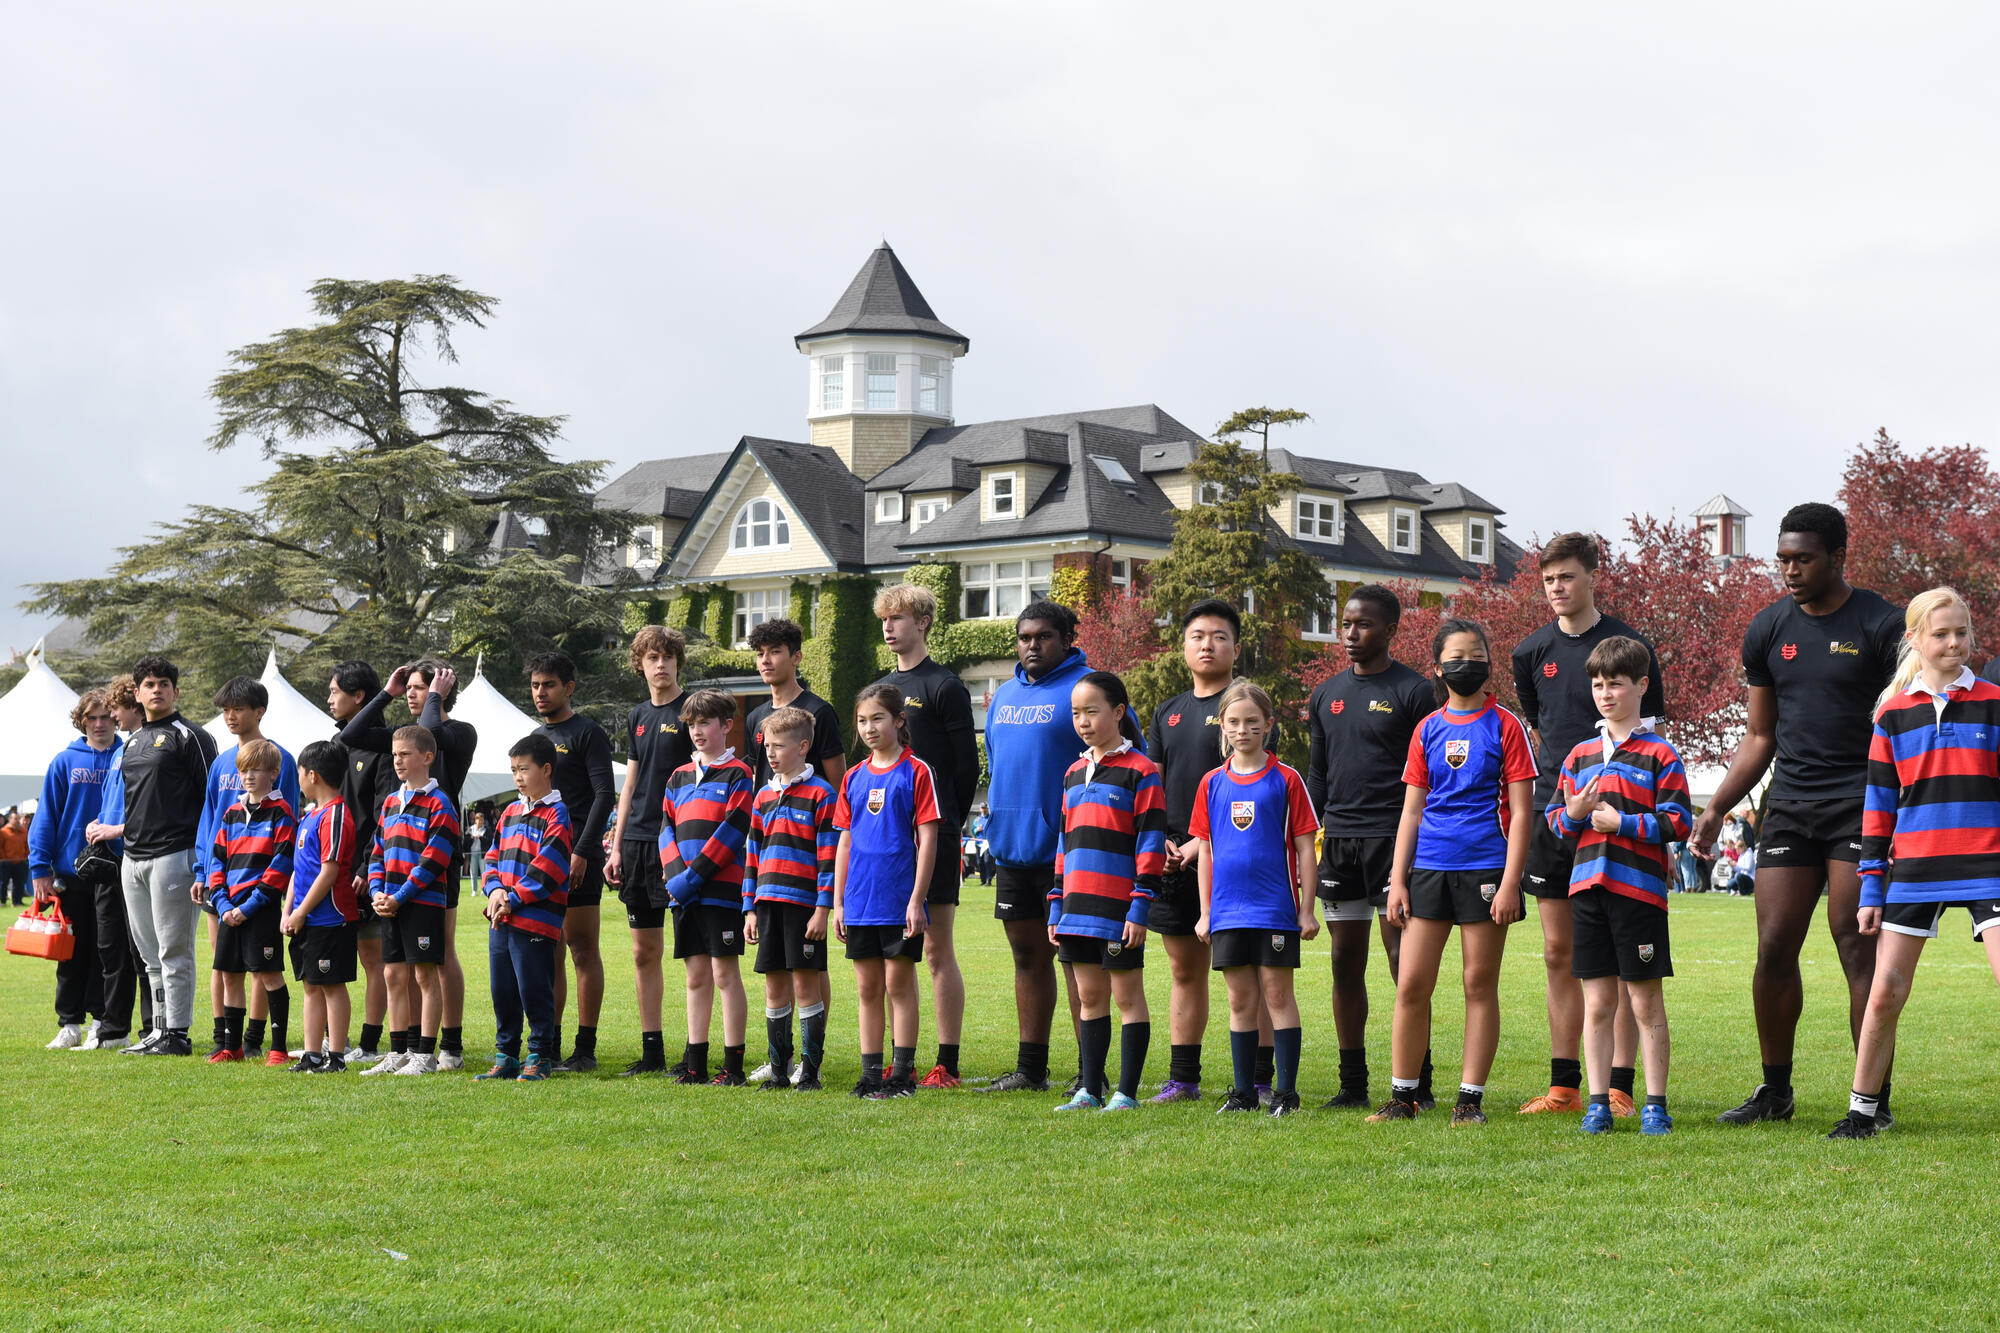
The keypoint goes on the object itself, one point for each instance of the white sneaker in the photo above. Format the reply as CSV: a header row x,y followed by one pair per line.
x,y
68,1037
388,1064
417,1064
798,1071
761,1074
91,1040
358,1057
449,1060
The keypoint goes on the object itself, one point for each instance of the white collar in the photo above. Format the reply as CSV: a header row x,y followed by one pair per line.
x,y
251,804
701,766
1964,681
1092,765
1642,727
408,791
779,781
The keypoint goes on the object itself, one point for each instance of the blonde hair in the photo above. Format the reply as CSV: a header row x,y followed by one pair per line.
x,y
1237,692
788,722
258,757
1916,619
909,599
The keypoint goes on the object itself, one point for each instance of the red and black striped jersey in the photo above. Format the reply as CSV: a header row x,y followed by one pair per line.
x,y
1930,815
529,861
251,857
704,824
414,842
1113,845
792,843
1641,778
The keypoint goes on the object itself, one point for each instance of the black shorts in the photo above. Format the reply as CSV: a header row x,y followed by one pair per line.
x,y
1463,896
255,946
640,887
414,935
700,929
884,942
1253,948
782,945
453,882
1922,919
1111,955
1616,936
1352,869
1177,904
1550,859
1021,893
1809,833
588,891
324,955
945,875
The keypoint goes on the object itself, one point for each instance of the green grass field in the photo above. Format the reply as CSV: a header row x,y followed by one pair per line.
x,y
144,1193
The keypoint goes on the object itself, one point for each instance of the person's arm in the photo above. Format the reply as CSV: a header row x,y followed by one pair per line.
x,y
961,740
1306,865
440,839
839,918
215,877
1149,862
269,887
827,839
827,747
1753,757
1654,704
42,847
914,915
1397,910
750,842
1528,696
548,869
614,864
721,848
1520,808
1316,752
1878,827
603,792
205,829
366,730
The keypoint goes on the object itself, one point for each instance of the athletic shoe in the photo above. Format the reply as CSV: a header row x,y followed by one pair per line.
x,y
807,1083
1263,1095
1764,1104
535,1071
1015,1081
726,1079
365,1057
1284,1104
893,1089
938,1078
1080,1101
307,1063
867,1087
388,1064
1467,1113
276,1060
139,1047
798,1068
254,1054
1173,1090
333,1062
1882,1117
1426,1100
1237,1100
170,1043
1557,1100
68,1037
1655,1120
761,1074
504,1066
643,1065
419,1064
1120,1102
775,1085
1596,1119
450,1061
1075,1085
223,1055
1851,1127
1621,1104
95,1040
687,1073
1347,1099
1394,1110
577,1064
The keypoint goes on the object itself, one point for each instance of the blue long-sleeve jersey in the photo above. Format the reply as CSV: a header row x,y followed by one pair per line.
x,y
225,787
73,792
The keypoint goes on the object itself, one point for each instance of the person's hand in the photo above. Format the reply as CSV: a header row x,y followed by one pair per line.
x,y
1053,942
1201,928
1135,935
576,865
234,917
1308,920
1604,819
442,682
285,923
1397,910
45,889
1173,856
1707,825
915,918
839,925
399,681
816,927
1507,907
614,866
95,832
1870,920
196,893
750,927
1579,806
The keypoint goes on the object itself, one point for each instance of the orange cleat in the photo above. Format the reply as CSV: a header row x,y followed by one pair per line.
x,y
224,1055
1621,1103
938,1078
278,1059
1555,1099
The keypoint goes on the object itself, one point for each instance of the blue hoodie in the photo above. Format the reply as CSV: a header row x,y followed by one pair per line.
x,y
1030,744
72,795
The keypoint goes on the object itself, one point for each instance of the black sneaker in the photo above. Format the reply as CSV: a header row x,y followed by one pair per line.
x,y
687,1073
1763,1104
729,1078
1425,1100
893,1089
1283,1103
777,1083
867,1087
1075,1084
577,1064
1016,1081
643,1066
1467,1113
335,1063
1238,1100
1852,1126
308,1063
807,1083
1882,1117
252,1055
144,1044
1347,1099
171,1043
1394,1109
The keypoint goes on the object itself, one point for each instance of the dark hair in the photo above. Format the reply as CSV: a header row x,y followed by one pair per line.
x,y
1221,610
1447,628
891,699
1578,546
420,737
1059,617
356,678
1820,520
777,634
1619,656
1381,598
553,664
536,748
668,643
428,667
151,665
1113,689
326,758
709,706
242,692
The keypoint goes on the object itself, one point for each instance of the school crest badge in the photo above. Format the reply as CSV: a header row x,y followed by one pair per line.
x,y
1337,706
1549,670
423,942
1457,750
809,948
1789,651
1114,948
1278,943
1645,953
877,797
326,965
269,953
1242,814
1486,891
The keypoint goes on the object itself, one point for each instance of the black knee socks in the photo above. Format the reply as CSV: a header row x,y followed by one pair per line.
x,y
281,1017
1093,1045
1133,1039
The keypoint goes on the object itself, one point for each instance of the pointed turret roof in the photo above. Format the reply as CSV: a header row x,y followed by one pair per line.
x,y
883,298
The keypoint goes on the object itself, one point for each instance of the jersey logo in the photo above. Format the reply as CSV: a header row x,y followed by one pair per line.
x,y
326,965
357,765
1549,669
1379,706
758,739
1242,814
1645,953
159,740
1789,651
876,798
908,702
1844,649
1337,706
1215,721
1173,719
562,749
1457,751
641,731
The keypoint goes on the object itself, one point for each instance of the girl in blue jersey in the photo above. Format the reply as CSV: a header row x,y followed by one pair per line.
x,y
1254,824
1467,818
887,815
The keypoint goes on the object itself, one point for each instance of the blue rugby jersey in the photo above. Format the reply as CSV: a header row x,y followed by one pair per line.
x,y
326,837
250,859
529,859
1464,762
1112,848
792,844
1249,821
414,842
880,809
704,824
1643,780
1930,817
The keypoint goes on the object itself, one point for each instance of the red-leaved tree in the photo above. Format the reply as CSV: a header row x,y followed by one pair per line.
x,y
1918,520
1117,632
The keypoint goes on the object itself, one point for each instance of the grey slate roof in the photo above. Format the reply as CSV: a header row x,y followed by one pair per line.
x,y
667,487
1451,495
883,298
824,495
949,457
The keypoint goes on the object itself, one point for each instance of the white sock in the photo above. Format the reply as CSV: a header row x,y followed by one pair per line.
x,y
1861,1103
785,1012
1475,1089
1403,1084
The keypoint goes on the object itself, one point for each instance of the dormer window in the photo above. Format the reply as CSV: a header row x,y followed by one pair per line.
x,y
832,383
881,381
930,384
761,525
1000,497
925,510
1208,493
889,507
1403,531
1319,520
1112,469
1479,540
645,545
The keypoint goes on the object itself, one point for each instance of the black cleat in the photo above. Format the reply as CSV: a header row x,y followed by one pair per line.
x,y
1238,1100
867,1087
308,1063
1075,1084
894,1089
1394,1110
687,1073
776,1083
1882,1117
1016,1081
729,1078
145,1044
577,1064
173,1043
1347,1099
252,1055
1467,1113
335,1063
1764,1104
1425,1100
1283,1104
1852,1126
642,1066
807,1083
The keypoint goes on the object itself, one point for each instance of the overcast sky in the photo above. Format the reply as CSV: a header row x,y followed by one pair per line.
x,y
1583,259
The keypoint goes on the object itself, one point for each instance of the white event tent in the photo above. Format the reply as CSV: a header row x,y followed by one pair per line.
x,y
499,724
291,719
34,728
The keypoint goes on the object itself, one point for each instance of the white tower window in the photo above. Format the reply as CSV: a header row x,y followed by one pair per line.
x,y
881,382
832,383
930,384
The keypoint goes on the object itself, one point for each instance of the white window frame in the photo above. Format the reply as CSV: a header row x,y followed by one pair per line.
x,y
930,384
878,369
645,543
832,383
1318,520
1114,471
1121,572
753,607
926,511
1479,540
742,531
1321,626
889,507
1738,537
1208,492
1398,543
998,589
1012,508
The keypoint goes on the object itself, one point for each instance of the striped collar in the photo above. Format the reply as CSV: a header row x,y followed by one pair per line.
x,y
701,767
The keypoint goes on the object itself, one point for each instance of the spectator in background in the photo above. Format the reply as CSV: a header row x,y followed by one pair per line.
x,y
72,797
14,858
1746,871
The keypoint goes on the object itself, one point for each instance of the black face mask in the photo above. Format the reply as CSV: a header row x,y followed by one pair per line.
x,y
1463,677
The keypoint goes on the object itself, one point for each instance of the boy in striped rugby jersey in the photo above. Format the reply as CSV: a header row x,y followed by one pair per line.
x,y
414,842
249,868
527,892
1621,798
787,893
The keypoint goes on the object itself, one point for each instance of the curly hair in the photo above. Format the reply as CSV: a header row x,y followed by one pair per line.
x,y
122,692
85,702
669,643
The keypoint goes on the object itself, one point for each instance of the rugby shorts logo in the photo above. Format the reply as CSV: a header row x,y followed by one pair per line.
x,y
1645,953
876,798
1549,669
1538,879
1113,949
1789,651
1457,751
269,951
1853,846
1775,851
1005,907
809,948
326,965
632,920
1242,814
1486,891
1278,943
423,941
729,937
1337,706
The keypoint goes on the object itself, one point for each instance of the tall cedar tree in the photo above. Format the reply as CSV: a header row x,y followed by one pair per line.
x,y
345,545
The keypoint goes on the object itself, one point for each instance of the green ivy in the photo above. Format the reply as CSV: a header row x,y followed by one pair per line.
x,y
958,646
842,657
801,608
943,582
706,661
643,611
1071,586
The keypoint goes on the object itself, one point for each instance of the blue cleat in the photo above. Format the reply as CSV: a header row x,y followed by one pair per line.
x,y
1655,1120
1597,1118
1083,1101
1120,1102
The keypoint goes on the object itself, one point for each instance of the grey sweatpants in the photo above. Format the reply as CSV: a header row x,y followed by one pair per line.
x,y
163,917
